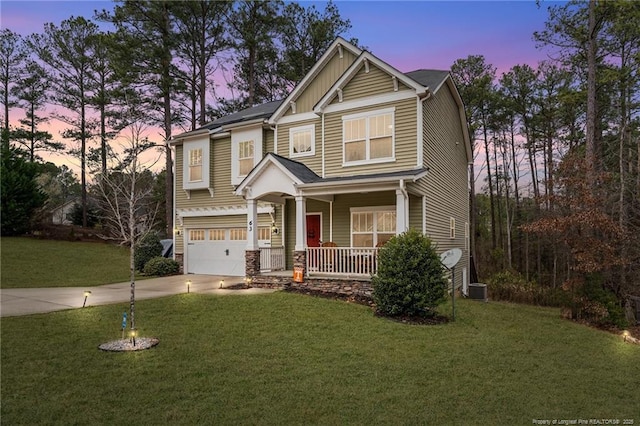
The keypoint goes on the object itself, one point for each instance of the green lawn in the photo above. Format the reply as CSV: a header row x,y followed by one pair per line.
x,y
28,262
286,358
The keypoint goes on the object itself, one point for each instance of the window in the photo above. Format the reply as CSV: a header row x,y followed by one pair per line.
x,y
196,235
195,165
368,137
264,233
245,157
372,228
237,234
216,234
452,227
302,141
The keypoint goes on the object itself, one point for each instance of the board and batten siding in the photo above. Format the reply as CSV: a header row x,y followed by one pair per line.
x,y
405,141
446,184
332,71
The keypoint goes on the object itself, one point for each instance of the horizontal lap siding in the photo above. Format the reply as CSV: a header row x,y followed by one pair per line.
x,y
415,212
323,81
313,162
374,82
446,183
405,141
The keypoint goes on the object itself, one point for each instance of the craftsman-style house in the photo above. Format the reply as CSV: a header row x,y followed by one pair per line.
x,y
318,182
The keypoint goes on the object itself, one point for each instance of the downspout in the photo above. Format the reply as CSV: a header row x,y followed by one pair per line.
x,y
405,194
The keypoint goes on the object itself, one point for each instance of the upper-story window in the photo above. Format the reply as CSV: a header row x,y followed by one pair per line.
x,y
302,141
368,137
195,165
245,157
246,152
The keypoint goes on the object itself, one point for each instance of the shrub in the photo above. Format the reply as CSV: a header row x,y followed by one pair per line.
x,y
410,279
510,286
596,304
161,266
146,249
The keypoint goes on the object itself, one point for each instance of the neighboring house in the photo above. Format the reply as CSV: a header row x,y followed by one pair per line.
x,y
357,153
61,215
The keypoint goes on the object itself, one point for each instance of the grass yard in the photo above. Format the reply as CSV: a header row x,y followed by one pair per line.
x,y
286,358
29,262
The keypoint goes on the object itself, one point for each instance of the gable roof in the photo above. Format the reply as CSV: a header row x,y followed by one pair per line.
x,y
432,79
339,43
353,70
259,111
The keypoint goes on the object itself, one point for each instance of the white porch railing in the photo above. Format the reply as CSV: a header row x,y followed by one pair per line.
x,y
272,258
342,260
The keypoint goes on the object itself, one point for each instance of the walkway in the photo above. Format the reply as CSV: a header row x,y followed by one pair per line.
x,y
27,301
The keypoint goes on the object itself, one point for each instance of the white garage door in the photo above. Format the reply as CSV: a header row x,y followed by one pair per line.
x,y
216,251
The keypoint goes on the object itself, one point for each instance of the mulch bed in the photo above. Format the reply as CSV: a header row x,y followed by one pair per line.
x,y
367,301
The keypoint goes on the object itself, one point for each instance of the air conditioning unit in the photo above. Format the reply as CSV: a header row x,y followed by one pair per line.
x,y
478,291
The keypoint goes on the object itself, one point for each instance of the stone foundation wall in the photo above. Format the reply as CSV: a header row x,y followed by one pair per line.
x,y
346,286
252,263
180,259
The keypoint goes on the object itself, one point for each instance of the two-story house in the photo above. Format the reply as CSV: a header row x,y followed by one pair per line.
x,y
357,153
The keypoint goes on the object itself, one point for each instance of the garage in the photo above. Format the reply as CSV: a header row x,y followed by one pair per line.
x,y
216,251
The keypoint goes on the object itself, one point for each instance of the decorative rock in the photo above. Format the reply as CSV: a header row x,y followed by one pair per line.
x,y
126,345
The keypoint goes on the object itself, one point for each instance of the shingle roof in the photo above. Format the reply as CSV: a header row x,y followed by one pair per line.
x,y
429,78
259,111
302,172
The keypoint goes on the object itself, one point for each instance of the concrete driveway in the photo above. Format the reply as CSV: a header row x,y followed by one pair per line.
x,y
27,301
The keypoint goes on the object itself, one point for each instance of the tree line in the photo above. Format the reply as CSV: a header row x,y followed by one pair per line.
x,y
159,63
560,148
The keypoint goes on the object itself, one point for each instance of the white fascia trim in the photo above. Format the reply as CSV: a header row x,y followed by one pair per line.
x,y
419,135
353,70
370,101
350,185
297,117
221,211
313,72
177,140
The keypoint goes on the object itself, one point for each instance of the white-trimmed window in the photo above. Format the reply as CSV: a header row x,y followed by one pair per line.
x,y
238,234
264,233
245,157
368,137
246,152
216,234
195,165
452,227
372,226
302,141
196,235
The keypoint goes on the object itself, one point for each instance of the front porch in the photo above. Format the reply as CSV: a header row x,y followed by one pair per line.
x,y
336,262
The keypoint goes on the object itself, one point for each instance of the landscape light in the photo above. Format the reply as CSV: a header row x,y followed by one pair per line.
x,y
248,281
188,286
625,335
221,283
132,333
87,293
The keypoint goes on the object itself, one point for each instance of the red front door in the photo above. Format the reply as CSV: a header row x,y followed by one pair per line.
x,y
313,230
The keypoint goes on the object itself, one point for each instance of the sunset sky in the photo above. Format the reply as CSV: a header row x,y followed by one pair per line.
x,y
407,34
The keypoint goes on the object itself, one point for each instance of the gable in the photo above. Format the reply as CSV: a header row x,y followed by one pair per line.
x,y
370,80
334,69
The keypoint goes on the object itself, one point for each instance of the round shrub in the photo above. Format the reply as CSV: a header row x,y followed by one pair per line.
x,y
410,279
147,248
161,266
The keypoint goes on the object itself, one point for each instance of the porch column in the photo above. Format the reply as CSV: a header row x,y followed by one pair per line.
x,y
252,224
301,223
402,211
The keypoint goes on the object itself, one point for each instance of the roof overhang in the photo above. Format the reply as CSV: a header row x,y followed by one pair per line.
x,y
420,90
335,48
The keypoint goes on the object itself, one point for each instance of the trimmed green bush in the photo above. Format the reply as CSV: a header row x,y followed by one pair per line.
x,y
410,279
146,249
161,266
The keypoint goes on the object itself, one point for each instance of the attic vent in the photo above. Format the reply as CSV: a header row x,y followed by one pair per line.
x,y
478,291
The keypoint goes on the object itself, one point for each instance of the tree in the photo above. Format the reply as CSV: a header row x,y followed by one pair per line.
x,y
12,54
19,191
306,34
255,28
148,37
410,279
31,92
202,29
67,51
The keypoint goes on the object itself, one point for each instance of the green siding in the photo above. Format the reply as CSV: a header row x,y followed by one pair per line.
x,y
405,141
331,72
374,82
313,162
446,184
